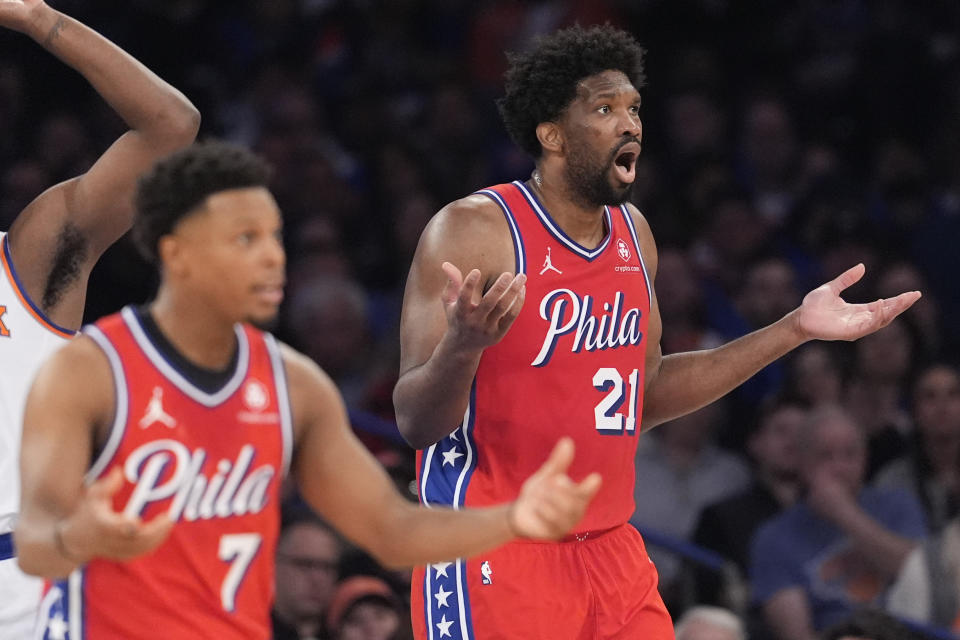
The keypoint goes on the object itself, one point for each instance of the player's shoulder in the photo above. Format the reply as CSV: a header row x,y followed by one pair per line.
x,y
471,232
644,235
80,368
475,212
639,220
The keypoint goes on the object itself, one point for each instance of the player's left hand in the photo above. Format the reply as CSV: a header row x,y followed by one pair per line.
x,y
19,14
550,503
824,315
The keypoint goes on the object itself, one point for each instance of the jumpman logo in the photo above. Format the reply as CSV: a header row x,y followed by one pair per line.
x,y
155,412
548,264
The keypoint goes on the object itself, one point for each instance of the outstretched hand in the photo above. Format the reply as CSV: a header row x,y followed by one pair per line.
x,y
550,503
479,320
824,315
94,529
18,14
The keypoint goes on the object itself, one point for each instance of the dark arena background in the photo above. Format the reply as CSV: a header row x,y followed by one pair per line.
x,y
783,142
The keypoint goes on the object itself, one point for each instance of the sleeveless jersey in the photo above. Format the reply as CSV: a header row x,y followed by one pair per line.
x,y
27,338
214,463
572,364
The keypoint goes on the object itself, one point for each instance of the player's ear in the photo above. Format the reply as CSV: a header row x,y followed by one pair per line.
x,y
170,252
550,136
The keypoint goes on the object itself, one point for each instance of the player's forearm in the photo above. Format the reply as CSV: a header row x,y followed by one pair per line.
x,y
430,399
687,381
38,550
146,103
416,535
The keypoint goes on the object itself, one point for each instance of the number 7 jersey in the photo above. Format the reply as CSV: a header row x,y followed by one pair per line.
x,y
572,365
213,461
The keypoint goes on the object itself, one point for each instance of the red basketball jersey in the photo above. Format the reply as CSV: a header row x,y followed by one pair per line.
x,y
572,364
214,463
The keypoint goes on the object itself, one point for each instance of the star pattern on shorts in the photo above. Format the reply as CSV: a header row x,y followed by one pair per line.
x,y
442,596
450,457
440,568
444,627
57,627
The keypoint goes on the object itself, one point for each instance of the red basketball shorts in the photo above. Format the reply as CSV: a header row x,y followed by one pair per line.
x,y
603,587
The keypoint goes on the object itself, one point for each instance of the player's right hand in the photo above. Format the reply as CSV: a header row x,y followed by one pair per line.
x,y
478,320
19,14
94,529
551,504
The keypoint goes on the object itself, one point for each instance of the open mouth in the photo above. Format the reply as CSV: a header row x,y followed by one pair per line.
x,y
625,162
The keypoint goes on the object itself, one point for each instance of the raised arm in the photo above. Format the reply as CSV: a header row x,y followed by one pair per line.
x,y
58,238
679,383
449,318
343,482
63,522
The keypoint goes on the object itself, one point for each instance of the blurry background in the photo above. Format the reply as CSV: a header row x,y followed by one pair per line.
x,y
784,141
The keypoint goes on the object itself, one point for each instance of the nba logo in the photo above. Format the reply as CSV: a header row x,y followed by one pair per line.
x,y
486,572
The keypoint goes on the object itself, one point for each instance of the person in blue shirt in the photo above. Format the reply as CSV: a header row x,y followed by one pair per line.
x,y
840,547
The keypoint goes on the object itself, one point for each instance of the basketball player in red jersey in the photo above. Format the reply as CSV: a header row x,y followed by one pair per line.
x,y
51,247
154,445
554,329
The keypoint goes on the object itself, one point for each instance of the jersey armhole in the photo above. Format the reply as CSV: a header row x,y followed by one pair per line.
x,y
120,406
519,255
636,243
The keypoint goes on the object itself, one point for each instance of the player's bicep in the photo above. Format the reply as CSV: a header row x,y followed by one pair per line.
x,y
422,319
70,396
336,474
102,202
470,234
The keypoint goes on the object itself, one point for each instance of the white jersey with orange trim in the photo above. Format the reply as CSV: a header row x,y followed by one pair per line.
x,y
27,338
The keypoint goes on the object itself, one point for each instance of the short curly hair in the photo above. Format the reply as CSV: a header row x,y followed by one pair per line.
x,y
541,83
180,182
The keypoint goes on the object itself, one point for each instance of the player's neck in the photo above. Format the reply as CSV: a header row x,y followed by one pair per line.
x,y
583,223
197,333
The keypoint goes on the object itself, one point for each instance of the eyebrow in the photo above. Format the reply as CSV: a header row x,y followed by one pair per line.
x,y
607,94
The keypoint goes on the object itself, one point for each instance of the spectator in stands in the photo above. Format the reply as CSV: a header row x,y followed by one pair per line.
x,y
308,558
841,546
366,608
709,623
815,374
679,471
877,391
727,526
871,624
928,587
930,469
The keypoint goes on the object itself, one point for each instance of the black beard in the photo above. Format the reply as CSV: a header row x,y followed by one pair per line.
x,y
589,181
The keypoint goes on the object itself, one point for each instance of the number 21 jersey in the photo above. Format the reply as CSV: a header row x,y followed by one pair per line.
x,y
572,365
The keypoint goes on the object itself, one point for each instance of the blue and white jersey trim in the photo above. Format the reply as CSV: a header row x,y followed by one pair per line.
x,y
445,475
518,250
61,610
179,380
558,233
636,243
121,403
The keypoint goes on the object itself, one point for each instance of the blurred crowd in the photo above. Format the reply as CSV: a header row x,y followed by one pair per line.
x,y
784,142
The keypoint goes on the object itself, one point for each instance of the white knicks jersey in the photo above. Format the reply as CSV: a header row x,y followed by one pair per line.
x,y
27,338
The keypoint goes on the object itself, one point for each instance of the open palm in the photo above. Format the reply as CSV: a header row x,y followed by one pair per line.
x,y
824,315
16,14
